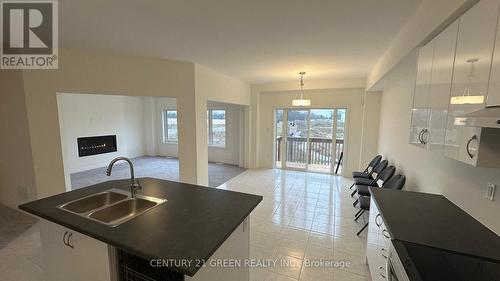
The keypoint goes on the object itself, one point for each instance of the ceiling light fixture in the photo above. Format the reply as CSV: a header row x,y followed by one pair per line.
x,y
300,99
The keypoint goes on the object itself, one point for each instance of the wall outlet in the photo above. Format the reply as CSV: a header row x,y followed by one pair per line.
x,y
490,191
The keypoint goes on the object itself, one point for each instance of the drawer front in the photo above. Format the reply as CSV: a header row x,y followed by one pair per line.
x,y
377,247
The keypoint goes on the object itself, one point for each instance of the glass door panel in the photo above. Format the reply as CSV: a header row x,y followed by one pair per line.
x,y
297,139
310,139
340,135
279,133
320,140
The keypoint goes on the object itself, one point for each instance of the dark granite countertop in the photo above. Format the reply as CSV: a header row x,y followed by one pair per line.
x,y
192,224
432,220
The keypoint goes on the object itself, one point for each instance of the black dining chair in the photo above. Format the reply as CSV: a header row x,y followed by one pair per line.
x,y
396,182
373,177
368,171
383,178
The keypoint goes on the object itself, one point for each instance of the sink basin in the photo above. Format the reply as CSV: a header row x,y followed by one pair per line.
x,y
123,211
112,207
93,202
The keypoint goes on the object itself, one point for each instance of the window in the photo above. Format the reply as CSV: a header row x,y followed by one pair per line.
x,y
170,126
216,127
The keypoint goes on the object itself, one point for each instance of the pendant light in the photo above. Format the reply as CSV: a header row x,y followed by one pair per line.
x,y
300,99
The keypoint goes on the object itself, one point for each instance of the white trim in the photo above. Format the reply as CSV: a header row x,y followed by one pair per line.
x,y
210,127
165,126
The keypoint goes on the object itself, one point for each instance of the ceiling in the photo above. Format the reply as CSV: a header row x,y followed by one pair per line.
x,y
257,41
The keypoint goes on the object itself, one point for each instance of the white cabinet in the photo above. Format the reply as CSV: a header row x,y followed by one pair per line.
x,y
378,242
69,255
494,84
420,111
432,90
236,248
474,49
439,93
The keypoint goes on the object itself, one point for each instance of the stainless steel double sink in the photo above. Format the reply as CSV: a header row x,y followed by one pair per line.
x,y
111,207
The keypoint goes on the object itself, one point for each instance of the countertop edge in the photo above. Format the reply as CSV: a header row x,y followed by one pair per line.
x,y
190,271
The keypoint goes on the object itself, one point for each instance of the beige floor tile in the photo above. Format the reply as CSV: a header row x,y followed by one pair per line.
x,y
16,267
288,266
28,244
340,275
272,276
316,274
293,248
258,274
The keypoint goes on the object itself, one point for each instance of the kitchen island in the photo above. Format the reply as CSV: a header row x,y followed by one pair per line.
x,y
175,240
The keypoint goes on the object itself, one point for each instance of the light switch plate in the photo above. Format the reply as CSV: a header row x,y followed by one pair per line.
x,y
490,191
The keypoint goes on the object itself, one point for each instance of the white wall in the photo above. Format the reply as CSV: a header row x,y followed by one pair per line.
x,y
17,178
83,115
428,172
215,86
230,154
105,74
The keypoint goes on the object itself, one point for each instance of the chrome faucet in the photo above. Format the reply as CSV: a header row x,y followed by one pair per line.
x,y
134,185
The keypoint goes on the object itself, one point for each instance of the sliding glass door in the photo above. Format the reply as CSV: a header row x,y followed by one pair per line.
x,y
297,145
305,139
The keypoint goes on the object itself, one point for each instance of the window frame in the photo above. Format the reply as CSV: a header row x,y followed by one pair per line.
x,y
210,127
165,125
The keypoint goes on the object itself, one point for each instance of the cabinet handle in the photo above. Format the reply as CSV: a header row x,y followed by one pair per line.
x,y
474,137
381,271
386,234
69,240
377,222
382,251
420,136
424,134
64,238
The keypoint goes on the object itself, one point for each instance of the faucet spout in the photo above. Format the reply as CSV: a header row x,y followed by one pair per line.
x,y
134,185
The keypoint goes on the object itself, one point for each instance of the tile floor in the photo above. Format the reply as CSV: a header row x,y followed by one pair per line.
x,y
304,217
20,249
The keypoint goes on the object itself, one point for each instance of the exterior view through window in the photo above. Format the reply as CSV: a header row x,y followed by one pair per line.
x,y
216,127
310,139
170,126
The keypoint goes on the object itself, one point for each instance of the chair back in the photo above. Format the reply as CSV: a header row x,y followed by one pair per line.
x,y
379,168
373,163
385,175
395,182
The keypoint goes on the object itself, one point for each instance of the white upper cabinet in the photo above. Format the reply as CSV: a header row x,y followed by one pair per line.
x,y
432,90
420,111
439,94
471,72
494,85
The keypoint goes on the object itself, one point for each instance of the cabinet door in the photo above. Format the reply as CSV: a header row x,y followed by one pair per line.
x,y
87,259
57,258
420,110
91,258
236,247
494,83
476,35
439,97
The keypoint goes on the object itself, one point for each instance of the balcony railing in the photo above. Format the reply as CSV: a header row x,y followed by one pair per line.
x,y
319,151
